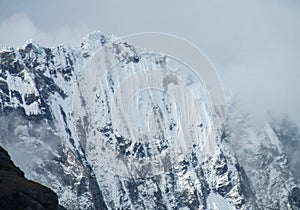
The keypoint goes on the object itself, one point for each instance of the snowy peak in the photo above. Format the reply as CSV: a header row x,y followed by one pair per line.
x,y
252,168
93,41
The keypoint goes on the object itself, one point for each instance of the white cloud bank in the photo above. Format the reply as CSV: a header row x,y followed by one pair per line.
x,y
17,29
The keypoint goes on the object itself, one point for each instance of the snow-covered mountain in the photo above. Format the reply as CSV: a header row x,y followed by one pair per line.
x,y
253,167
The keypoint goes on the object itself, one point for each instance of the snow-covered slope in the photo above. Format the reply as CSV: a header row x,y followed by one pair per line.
x,y
248,170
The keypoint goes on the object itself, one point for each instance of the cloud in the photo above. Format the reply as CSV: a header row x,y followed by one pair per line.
x,y
17,29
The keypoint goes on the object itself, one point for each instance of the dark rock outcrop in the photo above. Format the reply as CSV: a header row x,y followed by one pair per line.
x,y
294,198
16,192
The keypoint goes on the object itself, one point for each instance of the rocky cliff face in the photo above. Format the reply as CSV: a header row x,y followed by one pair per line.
x,y
16,192
250,168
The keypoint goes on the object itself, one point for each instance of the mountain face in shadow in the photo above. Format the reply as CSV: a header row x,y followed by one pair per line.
x,y
17,192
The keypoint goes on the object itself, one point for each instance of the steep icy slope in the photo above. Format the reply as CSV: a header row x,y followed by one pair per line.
x,y
36,97
37,128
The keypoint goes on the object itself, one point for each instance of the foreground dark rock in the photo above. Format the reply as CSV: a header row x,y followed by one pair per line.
x,y
16,192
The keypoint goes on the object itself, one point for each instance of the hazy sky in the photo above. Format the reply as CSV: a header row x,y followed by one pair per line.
x,y
255,45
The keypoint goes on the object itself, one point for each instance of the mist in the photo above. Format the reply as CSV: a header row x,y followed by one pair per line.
x,y
254,45
22,139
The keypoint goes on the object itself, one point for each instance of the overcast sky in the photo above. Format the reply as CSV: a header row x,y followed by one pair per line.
x,y
255,45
